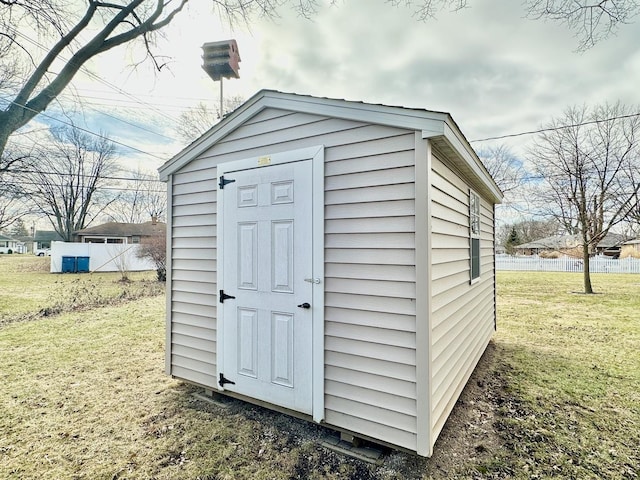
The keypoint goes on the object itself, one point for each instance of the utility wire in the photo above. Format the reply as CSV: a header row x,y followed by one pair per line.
x,y
208,99
551,129
106,177
86,130
141,102
130,123
96,77
105,187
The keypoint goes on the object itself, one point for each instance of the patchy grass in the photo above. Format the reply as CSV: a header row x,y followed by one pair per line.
x,y
87,398
29,291
84,397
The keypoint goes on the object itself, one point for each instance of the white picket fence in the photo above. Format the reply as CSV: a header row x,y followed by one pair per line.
x,y
597,264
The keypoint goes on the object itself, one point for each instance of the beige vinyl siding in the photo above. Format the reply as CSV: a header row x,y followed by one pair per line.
x,y
370,290
193,276
283,133
462,311
369,254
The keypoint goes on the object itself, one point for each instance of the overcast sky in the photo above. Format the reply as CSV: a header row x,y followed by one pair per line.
x,y
495,71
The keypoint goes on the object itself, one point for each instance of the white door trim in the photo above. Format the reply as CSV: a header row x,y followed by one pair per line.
x,y
316,154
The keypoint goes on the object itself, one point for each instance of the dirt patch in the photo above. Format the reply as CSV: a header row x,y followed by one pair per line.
x,y
469,440
468,444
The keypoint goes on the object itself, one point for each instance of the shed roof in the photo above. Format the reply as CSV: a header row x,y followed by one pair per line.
x,y
117,229
439,127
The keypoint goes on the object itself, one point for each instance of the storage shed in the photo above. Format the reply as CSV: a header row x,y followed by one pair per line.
x,y
333,259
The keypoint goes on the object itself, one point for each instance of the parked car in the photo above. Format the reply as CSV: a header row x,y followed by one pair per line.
x,y
43,252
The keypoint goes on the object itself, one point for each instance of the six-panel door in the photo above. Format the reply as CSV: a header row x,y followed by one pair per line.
x,y
267,332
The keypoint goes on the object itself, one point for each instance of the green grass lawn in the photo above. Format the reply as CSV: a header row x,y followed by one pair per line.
x,y
573,365
84,394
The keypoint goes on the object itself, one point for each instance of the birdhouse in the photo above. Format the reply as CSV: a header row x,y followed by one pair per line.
x,y
221,59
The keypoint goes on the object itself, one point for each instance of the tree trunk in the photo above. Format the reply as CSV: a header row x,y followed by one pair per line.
x,y
586,270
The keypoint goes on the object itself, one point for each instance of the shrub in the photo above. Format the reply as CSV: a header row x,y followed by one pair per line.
x,y
155,249
629,251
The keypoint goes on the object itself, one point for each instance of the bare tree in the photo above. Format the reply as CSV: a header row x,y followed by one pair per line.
x,y
506,169
585,162
591,20
69,182
13,204
197,120
71,35
18,229
105,24
633,219
528,230
142,198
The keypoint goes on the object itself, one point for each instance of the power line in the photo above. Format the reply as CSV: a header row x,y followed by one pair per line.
x,y
208,99
85,130
85,70
130,123
551,129
94,76
105,187
106,177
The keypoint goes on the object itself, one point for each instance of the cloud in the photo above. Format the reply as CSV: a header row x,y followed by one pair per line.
x,y
494,70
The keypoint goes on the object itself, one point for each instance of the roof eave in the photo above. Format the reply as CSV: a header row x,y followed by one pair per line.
x,y
465,158
434,125
399,117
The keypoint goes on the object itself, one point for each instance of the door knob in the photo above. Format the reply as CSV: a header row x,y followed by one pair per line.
x,y
304,305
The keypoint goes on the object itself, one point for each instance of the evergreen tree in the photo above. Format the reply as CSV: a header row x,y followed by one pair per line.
x,y
512,241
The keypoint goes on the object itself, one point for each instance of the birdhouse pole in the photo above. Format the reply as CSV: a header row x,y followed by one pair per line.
x,y
221,60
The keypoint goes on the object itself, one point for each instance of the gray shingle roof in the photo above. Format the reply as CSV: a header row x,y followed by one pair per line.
x,y
116,229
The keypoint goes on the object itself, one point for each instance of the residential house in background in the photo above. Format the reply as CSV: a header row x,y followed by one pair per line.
x,y
610,245
8,244
633,244
116,232
109,247
43,238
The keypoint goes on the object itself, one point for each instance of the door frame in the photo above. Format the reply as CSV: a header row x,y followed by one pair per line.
x,y
316,155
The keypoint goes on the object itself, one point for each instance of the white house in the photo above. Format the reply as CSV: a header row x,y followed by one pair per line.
x,y
9,245
333,259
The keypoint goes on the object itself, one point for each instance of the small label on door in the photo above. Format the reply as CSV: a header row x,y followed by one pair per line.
x,y
262,161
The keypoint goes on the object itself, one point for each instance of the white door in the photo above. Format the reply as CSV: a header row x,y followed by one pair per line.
x,y
267,267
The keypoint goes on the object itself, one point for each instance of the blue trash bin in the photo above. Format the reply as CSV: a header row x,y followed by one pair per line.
x,y
82,264
69,264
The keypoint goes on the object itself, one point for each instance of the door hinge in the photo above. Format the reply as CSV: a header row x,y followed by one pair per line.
x,y
224,296
224,181
224,381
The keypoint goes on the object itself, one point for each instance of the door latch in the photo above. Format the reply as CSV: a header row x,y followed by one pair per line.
x,y
312,280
